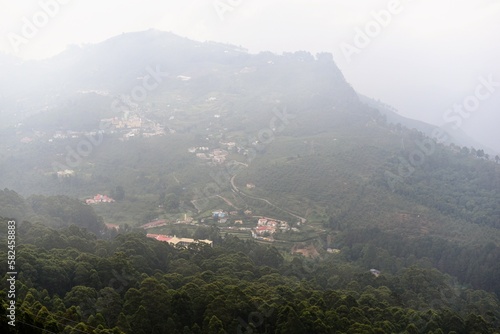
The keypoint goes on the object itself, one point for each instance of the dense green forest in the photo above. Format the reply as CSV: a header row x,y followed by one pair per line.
x,y
70,281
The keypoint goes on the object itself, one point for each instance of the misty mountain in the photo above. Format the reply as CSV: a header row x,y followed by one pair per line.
x,y
117,65
185,132
454,136
295,106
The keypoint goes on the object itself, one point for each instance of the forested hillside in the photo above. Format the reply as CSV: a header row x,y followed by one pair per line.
x,y
71,282
326,217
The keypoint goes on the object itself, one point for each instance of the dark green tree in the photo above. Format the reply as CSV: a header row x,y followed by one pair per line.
x,y
215,326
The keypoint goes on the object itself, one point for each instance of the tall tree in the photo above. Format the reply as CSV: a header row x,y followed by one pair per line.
x,y
215,326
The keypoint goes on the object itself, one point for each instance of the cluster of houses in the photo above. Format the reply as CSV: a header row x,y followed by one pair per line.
x,y
97,199
129,127
67,173
95,91
219,155
178,241
228,145
218,214
71,134
57,135
268,226
216,156
134,126
124,123
198,149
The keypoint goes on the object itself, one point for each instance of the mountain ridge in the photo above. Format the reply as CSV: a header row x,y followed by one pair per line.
x,y
88,65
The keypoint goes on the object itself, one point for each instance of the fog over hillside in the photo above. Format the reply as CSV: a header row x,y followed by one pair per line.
x,y
423,58
107,65
249,167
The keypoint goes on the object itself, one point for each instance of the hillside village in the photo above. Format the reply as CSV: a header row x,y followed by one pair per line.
x,y
124,127
98,199
133,126
267,227
216,156
258,227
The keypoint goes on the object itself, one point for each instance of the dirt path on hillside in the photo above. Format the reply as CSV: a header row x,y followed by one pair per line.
x,y
238,191
228,202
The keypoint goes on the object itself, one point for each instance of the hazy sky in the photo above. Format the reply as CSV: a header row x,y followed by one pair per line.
x,y
420,56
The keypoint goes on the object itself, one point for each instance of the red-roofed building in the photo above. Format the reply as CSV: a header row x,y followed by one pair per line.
x,y
177,241
112,226
99,199
263,229
272,223
160,237
262,222
155,223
